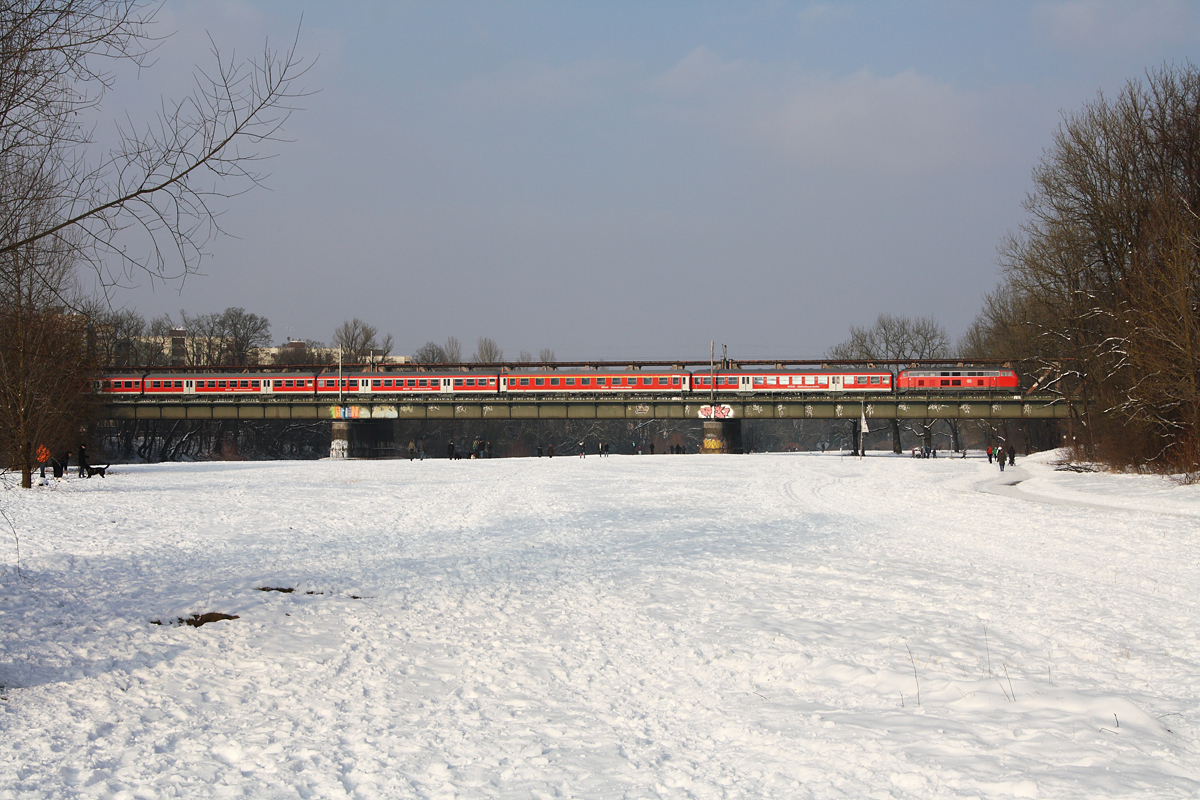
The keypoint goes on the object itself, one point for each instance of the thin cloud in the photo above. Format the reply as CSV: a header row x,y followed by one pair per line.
x,y
533,86
897,124
1113,25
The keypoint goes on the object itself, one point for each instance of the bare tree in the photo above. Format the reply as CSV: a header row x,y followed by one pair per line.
x,y
359,343
452,350
44,366
244,335
430,353
546,356
150,203
525,357
487,351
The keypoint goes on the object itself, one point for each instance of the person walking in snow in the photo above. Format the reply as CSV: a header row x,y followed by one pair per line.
x,y
1000,458
989,454
1012,456
412,449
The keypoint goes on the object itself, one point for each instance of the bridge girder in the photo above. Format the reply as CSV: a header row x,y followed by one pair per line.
x,y
734,408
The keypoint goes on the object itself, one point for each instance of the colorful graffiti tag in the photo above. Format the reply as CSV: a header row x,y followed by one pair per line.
x,y
716,412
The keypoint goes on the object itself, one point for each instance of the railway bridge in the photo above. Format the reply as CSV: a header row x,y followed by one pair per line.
x,y
720,414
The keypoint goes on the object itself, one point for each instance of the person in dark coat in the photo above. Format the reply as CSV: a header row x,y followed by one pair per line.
x,y
1012,456
450,450
83,462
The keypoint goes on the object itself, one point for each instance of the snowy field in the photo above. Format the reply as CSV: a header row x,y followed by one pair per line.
x,y
786,626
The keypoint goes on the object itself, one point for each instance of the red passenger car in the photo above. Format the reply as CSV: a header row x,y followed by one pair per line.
x,y
584,382
121,384
422,383
791,381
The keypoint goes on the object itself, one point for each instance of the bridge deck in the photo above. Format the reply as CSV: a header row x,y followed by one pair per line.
x,y
907,406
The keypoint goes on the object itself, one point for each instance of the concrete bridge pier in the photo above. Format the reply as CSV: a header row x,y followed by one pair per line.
x,y
722,436
364,438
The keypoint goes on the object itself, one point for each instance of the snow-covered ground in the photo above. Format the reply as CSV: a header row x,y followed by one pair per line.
x,y
786,626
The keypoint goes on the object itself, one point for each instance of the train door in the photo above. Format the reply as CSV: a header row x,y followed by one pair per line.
x,y
268,386
189,387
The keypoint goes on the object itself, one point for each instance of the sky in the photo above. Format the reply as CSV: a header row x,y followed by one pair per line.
x,y
630,180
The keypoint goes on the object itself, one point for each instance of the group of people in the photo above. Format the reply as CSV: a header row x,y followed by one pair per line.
x,y
1002,455
479,449
58,464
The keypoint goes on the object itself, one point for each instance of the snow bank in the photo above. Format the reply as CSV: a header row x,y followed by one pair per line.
x,y
670,626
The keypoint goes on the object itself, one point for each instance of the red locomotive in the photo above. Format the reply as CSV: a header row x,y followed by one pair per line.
x,y
933,380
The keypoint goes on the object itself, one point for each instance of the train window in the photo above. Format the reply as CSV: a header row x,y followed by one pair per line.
x,y
458,382
221,384
178,384
758,381
156,384
470,381
524,381
375,383
288,383
354,383
253,384
554,381
770,380
647,381
675,380
662,381
823,380
956,383
424,382
570,381
887,379
491,381
411,382
585,381
245,384
921,382
945,383
874,380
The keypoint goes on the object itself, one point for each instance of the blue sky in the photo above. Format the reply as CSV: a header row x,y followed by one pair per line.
x,y
632,180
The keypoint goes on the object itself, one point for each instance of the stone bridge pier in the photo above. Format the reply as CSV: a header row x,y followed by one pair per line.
x,y
363,438
722,436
